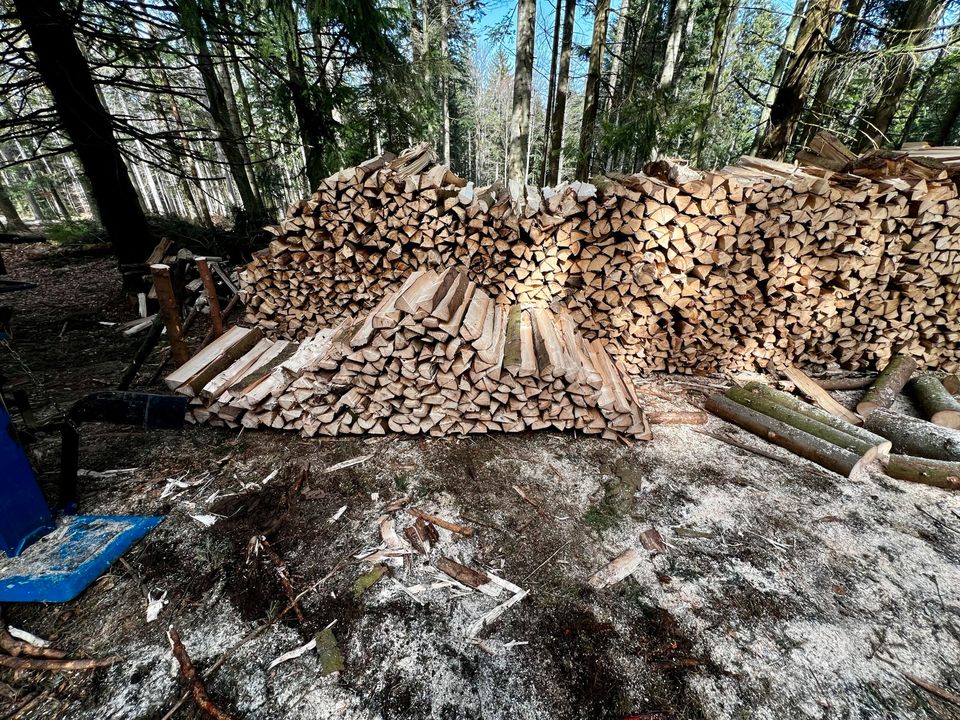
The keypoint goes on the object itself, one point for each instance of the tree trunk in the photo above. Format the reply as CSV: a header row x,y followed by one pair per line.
x,y
783,59
313,135
12,220
188,13
522,81
838,433
445,77
949,119
616,62
928,472
788,107
557,116
726,9
780,433
233,117
551,91
591,92
67,76
679,14
811,411
914,27
834,67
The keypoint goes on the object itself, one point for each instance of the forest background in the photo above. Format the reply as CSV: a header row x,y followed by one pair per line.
x,y
221,112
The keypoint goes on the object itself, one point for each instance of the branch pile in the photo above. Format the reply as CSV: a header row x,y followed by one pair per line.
x,y
760,263
438,355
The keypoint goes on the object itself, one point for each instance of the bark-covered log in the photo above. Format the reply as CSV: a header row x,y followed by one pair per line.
x,y
812,411
913,436
940,407
805,423
797,441
846,383
921,470
888,384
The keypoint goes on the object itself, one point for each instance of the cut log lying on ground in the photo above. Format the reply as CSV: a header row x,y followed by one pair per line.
x,y
757,265
839,433
887,385
436,356
937,473
846,383
913,436
796,441
935,402
811,411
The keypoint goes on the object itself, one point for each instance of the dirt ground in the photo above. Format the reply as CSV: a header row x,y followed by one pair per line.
x,y
784,591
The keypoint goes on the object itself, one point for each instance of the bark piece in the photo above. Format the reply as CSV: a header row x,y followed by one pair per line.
x,y
440,522
616,570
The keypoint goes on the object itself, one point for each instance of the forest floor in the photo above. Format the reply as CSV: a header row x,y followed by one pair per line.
x,y
784,591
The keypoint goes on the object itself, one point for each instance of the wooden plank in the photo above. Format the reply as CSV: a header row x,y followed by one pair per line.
x,y
207,355
808,386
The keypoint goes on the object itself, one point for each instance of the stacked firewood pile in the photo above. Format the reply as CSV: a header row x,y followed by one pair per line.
x,y
757,264
437,355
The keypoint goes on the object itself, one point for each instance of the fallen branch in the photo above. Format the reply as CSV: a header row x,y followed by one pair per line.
x,y
282,572
260,629
189,672
940,692
54,664
12,646
440,522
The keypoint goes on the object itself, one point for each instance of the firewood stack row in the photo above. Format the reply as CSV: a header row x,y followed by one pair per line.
x,y
760,263
436,356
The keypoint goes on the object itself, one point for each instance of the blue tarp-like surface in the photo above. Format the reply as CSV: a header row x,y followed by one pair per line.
x,y
59,566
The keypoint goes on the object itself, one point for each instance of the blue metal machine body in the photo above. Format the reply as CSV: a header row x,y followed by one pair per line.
x,y
24,515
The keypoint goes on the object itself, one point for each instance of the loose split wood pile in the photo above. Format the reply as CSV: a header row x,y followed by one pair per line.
x,y
758,263
437,355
